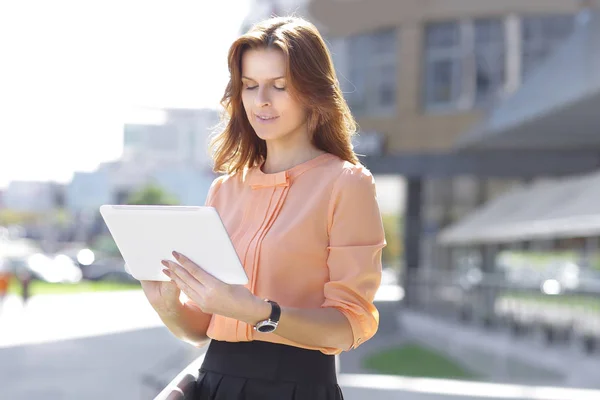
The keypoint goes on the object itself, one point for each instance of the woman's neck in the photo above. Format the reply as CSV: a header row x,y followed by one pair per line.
x,y
283,159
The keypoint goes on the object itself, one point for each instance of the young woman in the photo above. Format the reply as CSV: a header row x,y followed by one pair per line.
x,y
303,216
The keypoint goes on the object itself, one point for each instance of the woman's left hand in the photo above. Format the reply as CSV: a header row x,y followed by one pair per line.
x,y
214,296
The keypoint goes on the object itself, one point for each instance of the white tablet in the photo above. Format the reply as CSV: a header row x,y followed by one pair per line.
x,y
145,235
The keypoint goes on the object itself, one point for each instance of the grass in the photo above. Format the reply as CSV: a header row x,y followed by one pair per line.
x,y
39,287
416,361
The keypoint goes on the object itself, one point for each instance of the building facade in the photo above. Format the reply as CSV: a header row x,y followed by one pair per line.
x,y
167,147
32,196
170,136
423,72
420,74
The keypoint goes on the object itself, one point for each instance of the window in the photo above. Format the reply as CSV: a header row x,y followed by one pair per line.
x,y
464,63
371,72
133,135
540,36
443,69
490,59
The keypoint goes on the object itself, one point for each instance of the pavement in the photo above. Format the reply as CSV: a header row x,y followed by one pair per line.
x,y
49,318
112,345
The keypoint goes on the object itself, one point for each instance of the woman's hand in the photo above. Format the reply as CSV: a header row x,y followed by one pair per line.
x,y
163,296
214,296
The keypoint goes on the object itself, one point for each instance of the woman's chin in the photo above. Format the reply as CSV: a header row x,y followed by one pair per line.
x,y
267,136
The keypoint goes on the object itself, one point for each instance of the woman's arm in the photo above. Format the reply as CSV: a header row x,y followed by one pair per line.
x,y
188,323
317,327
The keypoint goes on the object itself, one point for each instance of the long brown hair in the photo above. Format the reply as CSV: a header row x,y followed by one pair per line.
x,y
312,79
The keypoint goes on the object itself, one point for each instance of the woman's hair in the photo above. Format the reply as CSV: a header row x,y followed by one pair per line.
x,y
311,79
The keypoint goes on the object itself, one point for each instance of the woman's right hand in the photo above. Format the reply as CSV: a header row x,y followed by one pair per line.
x,y
163,296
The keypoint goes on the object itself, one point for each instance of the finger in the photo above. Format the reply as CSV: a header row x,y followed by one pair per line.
x,y
194,269
177,270
185,287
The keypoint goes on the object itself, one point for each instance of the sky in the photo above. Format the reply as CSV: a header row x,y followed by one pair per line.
x,y
71,73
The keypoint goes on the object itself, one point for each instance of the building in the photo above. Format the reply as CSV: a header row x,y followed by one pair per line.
x,y
167,147
419,75
555,110
170,136
32,196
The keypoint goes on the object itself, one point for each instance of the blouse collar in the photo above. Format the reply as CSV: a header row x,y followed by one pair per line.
x,y
257,179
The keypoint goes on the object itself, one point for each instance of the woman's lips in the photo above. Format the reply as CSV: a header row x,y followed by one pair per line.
x,y
266,118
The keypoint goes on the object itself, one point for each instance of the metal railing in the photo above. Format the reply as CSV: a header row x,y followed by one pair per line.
x,y
183,385
522,308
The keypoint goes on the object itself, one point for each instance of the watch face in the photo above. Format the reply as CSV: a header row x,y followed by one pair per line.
x,y
266,328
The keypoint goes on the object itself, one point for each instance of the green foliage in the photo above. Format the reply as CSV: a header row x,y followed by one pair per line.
x,y
392,223
39,287
14,217
152,194
61,217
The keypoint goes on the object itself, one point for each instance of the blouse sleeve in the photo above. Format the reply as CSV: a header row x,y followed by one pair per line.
x,y
212,191
356,240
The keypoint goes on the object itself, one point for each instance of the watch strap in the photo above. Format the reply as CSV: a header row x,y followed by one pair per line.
x,y
275,311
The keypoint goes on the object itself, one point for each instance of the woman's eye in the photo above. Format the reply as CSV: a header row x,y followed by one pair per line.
x,y
281,88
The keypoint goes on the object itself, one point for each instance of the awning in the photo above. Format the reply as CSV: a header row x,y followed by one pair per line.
x,y
560,208
556,106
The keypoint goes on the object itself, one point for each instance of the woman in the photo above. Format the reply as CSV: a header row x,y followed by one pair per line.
x,y
303,217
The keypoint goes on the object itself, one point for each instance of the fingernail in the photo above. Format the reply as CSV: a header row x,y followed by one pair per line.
x,y
166,272
176,254
165,263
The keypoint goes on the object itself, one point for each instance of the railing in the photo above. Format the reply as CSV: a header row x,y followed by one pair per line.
x,y
544,306
487,301
182,386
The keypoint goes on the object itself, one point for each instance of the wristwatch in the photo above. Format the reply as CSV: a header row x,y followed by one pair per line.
x,y
269,325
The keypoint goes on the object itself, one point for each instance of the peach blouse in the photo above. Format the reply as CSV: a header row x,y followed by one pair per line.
x,y
308,237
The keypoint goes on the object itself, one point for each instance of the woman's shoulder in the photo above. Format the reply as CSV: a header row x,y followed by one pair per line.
x,y
346,173
233,182
225,180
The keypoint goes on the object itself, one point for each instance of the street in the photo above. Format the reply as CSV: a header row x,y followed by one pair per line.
x,y
113,346
92,346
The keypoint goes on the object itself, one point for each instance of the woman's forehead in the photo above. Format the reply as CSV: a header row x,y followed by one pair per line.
x,y
263,64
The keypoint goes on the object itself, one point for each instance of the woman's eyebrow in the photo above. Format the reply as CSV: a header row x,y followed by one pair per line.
x,y
272,79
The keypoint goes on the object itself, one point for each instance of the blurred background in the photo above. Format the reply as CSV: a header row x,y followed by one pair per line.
x,y
480,120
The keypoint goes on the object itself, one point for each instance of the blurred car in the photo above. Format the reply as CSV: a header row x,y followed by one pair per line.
x,y
110,268
56,268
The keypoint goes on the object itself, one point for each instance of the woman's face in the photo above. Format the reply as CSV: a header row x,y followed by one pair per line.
x,y
272,111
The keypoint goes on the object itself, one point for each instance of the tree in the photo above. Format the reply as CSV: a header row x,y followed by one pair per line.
x,y
392,224
15,217
150,195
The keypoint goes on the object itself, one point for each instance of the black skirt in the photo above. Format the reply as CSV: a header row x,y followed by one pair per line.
x,y
261,370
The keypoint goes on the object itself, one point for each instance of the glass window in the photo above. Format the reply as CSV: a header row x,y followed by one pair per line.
x,y
464,60
443,64
443,35
443,81
372,72
386,89
356,95
490,58
542,35
132,135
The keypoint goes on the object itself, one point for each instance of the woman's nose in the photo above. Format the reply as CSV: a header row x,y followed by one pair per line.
x,y
262,98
